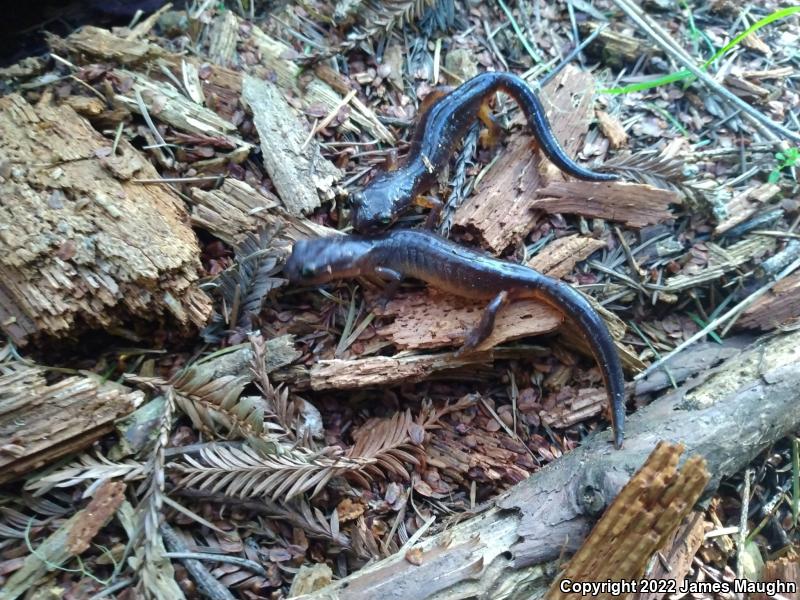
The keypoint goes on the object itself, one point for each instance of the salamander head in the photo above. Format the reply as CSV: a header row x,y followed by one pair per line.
x,y
324,259
381,202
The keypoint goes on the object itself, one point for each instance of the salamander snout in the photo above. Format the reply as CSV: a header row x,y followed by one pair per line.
x,y
324,259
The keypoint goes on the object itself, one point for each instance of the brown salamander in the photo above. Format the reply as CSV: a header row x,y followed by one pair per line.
x,y
462,272
441,127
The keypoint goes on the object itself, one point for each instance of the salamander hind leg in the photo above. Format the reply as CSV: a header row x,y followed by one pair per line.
x,y
486,325
394,280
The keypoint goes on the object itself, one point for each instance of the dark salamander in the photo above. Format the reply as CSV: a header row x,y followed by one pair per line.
x,y
466,273
441,128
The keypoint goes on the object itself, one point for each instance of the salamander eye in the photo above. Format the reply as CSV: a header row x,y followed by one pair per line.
x,y
386,220
307,272
357,200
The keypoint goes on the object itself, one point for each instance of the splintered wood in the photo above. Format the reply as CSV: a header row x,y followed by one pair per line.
x,y
40,423
501,210
638,522
294,163
560,256
432,320
678,553
234,210
634,204
80,242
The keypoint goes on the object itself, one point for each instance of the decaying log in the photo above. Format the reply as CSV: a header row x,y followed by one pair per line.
x,y
40,423
69,540
728,417
640,519
294,163
80,242
634,204
499,211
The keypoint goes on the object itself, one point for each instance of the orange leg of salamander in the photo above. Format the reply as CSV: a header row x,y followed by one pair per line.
x,y
483,329
391,162
491,135
436,210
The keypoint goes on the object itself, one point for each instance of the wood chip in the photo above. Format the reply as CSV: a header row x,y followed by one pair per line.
x,y
678,553
298,170
778,308
41,422
104,504
499,211
634,204
639,521
612,129
431,319
235,209
560,256
745,204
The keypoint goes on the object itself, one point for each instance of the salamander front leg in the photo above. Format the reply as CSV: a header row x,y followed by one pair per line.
x,y
485,327
394,280
436,210
491,135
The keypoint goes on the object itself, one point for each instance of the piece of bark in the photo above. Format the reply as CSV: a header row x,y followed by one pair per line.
x,y
236,362
734,414
104,44
612,129
165,103
560,256
694,360
499,211
587,403
68,541
745,204
235,209
786,570
40,423
276,58
618,47
388,370
80,243
677,555
222,37
431,319
635,204
294,162
640,519
778,308
720,261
